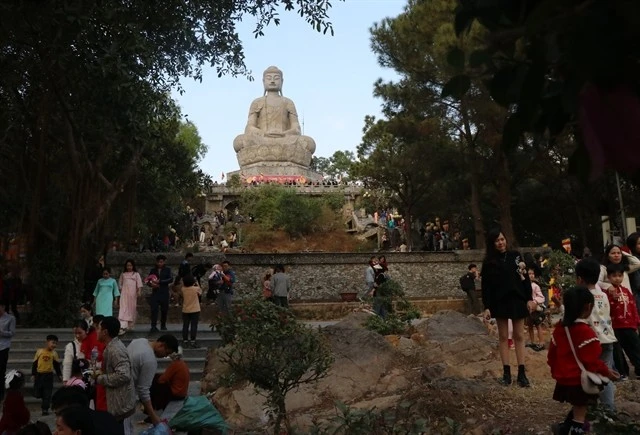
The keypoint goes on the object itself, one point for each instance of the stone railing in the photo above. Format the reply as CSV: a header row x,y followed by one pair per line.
x,y
302,188
321,276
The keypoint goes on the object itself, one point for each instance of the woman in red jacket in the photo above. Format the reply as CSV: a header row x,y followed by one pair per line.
x,y
87,345
578,304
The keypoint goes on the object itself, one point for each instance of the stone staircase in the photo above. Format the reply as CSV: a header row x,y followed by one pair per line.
x,y
27,340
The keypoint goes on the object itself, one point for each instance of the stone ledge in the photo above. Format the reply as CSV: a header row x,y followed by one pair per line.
x,y
338,310
326,310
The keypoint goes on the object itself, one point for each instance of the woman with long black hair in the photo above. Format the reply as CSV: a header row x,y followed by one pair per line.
x,y
506,294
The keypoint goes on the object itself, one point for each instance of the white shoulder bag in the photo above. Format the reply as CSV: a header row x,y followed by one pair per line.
x,y
592,383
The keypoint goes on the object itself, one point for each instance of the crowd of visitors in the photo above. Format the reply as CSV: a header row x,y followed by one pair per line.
x,y
102,381
598,330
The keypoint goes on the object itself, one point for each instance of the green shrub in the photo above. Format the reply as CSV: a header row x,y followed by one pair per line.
x,y
400,310
564,266
334,200
392,324
282,208
402,419
297,214
267,347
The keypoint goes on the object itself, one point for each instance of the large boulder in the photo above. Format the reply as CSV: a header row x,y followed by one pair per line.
x,y
365,365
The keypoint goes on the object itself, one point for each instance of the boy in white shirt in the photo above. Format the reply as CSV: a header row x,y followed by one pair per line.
x,y
587,273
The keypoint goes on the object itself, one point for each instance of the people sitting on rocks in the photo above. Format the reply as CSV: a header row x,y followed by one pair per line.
x,y
173,384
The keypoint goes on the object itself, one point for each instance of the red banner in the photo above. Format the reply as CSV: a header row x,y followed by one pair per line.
x,y
281,179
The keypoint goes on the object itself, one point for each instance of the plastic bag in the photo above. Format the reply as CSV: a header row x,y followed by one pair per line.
x,y
160,429
198,413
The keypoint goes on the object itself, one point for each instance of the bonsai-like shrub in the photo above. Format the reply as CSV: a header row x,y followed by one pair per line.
x,y
400,311
269,348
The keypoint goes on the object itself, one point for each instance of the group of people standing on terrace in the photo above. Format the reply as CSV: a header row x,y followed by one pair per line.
x,y
600,321
183,290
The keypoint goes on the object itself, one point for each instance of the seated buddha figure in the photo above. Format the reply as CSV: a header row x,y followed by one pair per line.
x,y
273,133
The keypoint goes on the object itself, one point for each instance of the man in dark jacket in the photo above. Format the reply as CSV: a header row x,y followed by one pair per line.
x,y
160,293
468,285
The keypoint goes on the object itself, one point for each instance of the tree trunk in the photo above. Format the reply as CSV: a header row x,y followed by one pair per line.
x,y
281,417
469,139
408,223
476,211
503,199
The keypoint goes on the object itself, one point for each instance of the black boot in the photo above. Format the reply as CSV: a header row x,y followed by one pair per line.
x,y
506,375
563,428
522,378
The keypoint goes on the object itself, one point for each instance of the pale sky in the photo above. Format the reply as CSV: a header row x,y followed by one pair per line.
x,y
329,78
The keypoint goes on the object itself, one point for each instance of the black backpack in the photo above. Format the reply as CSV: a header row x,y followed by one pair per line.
x,y
90,387
466,283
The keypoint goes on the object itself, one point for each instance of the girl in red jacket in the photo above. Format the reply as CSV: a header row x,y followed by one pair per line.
x,y
15,414
578,304
624,317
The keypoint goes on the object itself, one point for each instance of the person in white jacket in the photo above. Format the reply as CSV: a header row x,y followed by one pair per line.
x,y
587,272
72,349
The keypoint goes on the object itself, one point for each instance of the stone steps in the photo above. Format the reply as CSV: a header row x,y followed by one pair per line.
x,y
174,314
27,340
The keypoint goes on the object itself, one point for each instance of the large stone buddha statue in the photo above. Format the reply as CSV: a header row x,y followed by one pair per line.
x,y
272,135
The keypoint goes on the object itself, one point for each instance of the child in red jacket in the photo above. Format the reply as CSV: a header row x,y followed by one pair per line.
x,y
578,304
15,414
624,315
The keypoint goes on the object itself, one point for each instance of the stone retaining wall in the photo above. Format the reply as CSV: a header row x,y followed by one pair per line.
x,y
323,276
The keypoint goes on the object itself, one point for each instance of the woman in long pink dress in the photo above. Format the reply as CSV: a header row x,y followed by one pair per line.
x,y
130,289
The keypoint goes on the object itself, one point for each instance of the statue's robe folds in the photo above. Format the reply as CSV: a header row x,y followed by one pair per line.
x,y
278,117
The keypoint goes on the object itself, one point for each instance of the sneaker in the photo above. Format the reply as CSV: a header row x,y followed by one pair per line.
x,y
163,328
154,329
195,345
122,331
186,344
623,378
538,347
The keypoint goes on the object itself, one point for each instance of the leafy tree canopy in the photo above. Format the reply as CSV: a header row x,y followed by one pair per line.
x,y
86,112
562,65
336,167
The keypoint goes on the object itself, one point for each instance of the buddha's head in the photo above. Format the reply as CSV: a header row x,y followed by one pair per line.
x,y
272,79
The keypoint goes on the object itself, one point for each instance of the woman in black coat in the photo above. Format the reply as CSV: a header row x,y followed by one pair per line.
x,y
506,294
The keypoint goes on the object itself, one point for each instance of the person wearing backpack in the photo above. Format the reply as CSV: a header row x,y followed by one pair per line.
x,y
468,285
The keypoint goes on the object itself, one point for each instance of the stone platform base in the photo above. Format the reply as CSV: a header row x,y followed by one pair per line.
x,y
269,169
